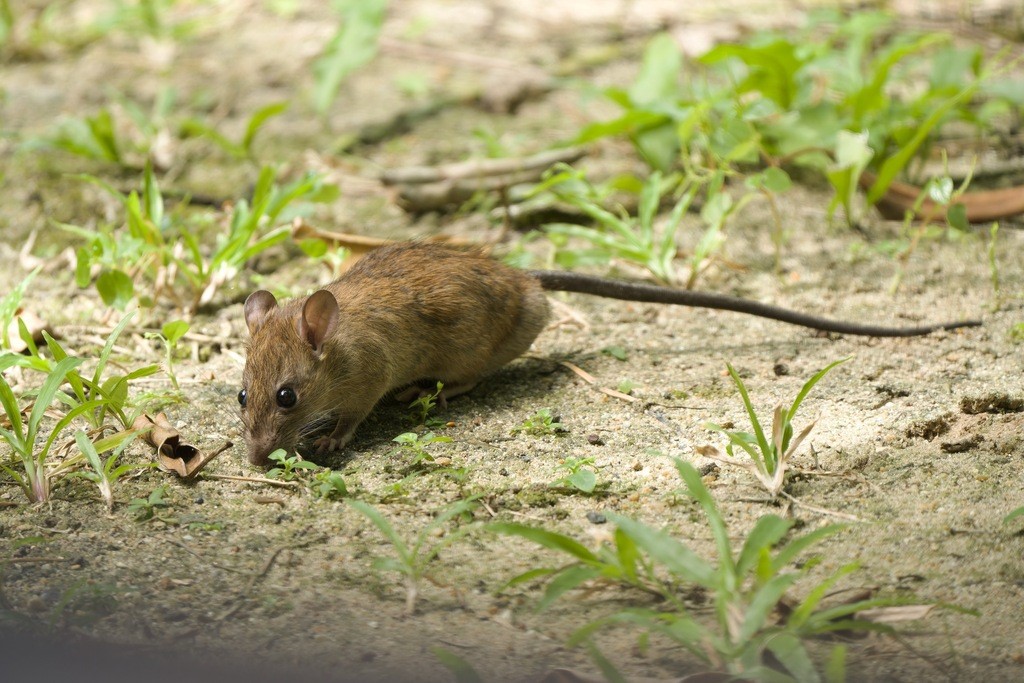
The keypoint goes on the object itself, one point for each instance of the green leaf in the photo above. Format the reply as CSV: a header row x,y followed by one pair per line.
x,y
174,330
547,539
13,412
385,528
768,531
353,45
659,73
809,384
892,166
718,529
584,480
460,668
790,651
261,116
115,288
46,393
1019,512
662,548
566,580
835,667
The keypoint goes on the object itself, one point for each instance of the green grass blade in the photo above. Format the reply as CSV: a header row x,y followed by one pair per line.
x,y
718,529
261,116
13,411
809,384
662,548
567,579
762,442
762,604
794,548
790,651
547,539
768,531
460,668
47,391
382,524
109,346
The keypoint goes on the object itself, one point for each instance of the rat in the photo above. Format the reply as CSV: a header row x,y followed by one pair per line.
x,y
414,311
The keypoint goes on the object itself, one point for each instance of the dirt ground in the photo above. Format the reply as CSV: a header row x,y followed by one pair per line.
x,y
921,440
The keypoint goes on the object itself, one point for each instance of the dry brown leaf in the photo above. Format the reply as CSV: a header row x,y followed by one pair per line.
x,y
172,455
982,206
360,245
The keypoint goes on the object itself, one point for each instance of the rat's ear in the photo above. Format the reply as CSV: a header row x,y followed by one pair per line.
x,y
257,306
319,319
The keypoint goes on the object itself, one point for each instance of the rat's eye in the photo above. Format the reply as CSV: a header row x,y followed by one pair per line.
x,y
286,397
241,398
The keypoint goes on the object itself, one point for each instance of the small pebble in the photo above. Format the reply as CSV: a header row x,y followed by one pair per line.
x,y
596,517
594,440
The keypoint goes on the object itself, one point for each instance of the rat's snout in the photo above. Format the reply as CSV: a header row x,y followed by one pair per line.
x,y
259,446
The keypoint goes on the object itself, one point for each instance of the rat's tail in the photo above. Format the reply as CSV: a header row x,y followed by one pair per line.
x,y
564,281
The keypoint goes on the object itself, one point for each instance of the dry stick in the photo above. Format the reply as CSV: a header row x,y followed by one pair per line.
x,y
253,480
477,168
590,379
822,511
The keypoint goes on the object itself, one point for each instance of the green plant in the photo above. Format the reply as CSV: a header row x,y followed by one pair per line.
x,y
170,334
167,251
541,423
9,307
423,405
748,589
768,459
150,507
107,392
636,239
1017,332
243,149
106,473
412,559
1019,512
92,137
761,102
328,485
318,250
353,45
462,670
288,466
36,475
580,474
415,445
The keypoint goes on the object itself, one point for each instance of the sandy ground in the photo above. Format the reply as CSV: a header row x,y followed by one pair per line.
x,y
919,439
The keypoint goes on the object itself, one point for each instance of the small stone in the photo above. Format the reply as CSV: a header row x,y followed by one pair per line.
x,y
780,369
199,500
596,517
594,440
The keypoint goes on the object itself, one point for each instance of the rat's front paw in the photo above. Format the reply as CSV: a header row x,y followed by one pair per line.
x,y
326,444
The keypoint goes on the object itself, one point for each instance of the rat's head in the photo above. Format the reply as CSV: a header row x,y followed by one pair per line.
x,y
283,382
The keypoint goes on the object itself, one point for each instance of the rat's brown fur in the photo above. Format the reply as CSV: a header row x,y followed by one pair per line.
x,y
406,312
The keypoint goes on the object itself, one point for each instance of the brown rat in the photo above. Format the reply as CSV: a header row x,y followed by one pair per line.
x,y
414,311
